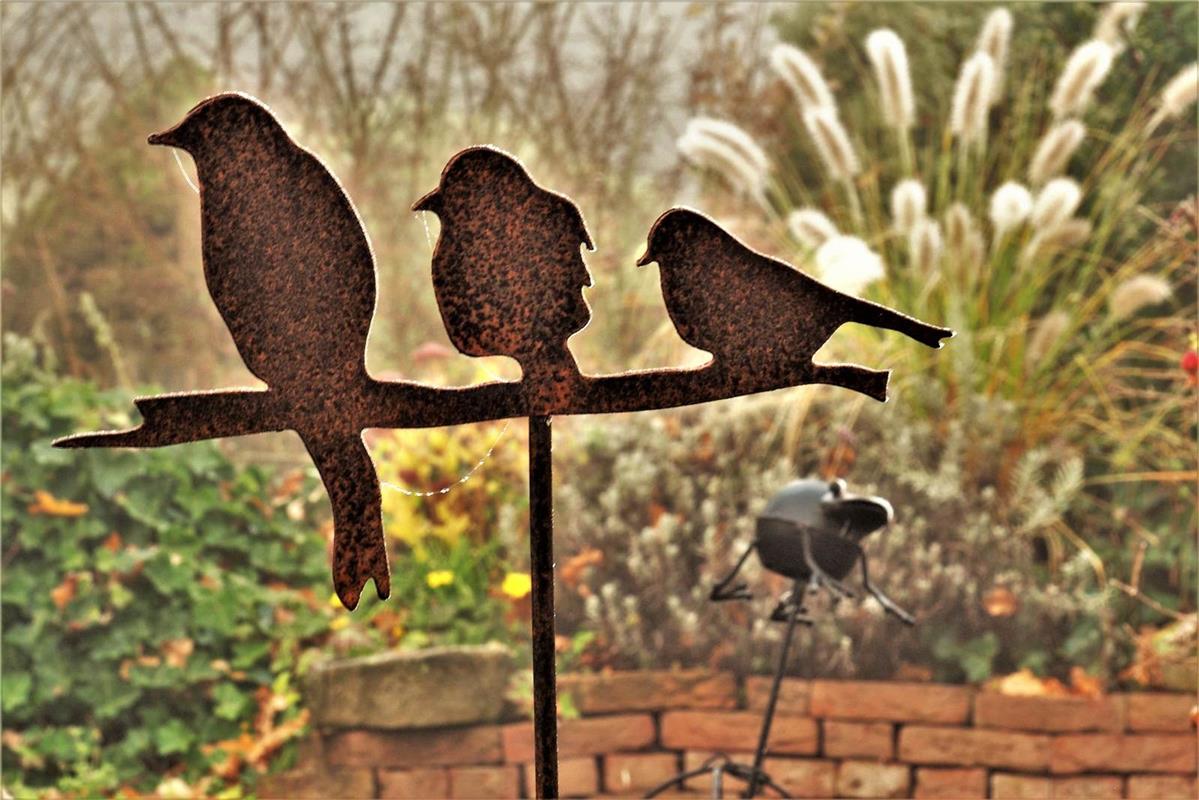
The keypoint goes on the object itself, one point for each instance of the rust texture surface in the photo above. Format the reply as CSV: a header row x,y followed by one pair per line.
x,y
290,268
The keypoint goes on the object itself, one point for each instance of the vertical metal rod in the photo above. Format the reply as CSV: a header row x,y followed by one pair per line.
x,y
541,562
797,598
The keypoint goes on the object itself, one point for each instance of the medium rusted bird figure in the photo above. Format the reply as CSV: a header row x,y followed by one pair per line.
x,y
508,273
750,310
291,271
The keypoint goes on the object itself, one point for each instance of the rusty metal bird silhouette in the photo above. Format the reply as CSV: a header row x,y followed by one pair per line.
x,y
298,306
747,309
290,268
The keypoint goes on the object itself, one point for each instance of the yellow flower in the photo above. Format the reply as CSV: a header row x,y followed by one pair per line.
x,y
516,585
339,622
439,577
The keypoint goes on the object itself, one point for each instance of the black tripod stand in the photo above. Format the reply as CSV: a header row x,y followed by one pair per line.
x,y
791,610
811,532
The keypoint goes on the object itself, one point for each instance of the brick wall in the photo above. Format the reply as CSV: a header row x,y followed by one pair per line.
x,y
830,739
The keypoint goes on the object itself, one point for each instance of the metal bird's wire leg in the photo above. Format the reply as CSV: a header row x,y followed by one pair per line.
x,y
717,765
820,576
793,598
722,592
793,618
887,603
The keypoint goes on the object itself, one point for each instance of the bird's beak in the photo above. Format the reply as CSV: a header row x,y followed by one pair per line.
x,y
169,138
646,258
430,202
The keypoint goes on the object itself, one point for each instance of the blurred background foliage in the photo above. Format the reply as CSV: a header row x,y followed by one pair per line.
x,y
159,606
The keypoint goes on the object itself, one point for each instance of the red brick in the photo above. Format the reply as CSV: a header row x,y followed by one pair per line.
x,y
933,783
1109,752
638,772
868,779
1035,787
605,693
582,737
316,782
1020,787
1049,714
1090,787
888,700
577,777
733,787
423,748
396,784
1162,787
468,783
920,744
803,777
737,730
794,695
858,739
1156,711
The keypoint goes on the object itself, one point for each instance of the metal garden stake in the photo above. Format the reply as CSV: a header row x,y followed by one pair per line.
x,y
291,271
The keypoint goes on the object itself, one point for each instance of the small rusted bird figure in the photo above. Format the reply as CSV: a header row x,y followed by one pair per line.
x,y
751,310
508,273
290,269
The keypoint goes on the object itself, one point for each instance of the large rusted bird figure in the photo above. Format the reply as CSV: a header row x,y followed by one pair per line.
x,y
290,269
508,270
749,310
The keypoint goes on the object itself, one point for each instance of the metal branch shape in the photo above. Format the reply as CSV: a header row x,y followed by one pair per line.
x,y
289,266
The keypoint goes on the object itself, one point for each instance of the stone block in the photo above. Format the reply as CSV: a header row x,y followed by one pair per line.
x,y
433,688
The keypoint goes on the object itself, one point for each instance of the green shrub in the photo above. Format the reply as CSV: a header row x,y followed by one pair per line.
x,y
154,603
669,501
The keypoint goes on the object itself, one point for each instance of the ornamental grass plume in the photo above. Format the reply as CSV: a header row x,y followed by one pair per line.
x,y
959,223
832,142
708,153
908,204
963,237
811,227
1136,294
733,136
727,150
890,60
1011,205
1085,70
925,244
1116,21
1069,234
1054,151
993,39
1055,203
847,264
803,77
972,98
1047,331
1181,92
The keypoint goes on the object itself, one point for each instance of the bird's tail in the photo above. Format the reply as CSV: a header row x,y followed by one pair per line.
x,y
359,550
864,312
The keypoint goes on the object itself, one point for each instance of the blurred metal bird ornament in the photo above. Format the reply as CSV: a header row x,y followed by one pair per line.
x,y
811,531
290,268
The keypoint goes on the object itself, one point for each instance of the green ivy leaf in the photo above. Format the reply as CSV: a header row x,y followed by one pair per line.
x,y
14,689
230,702
173,737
